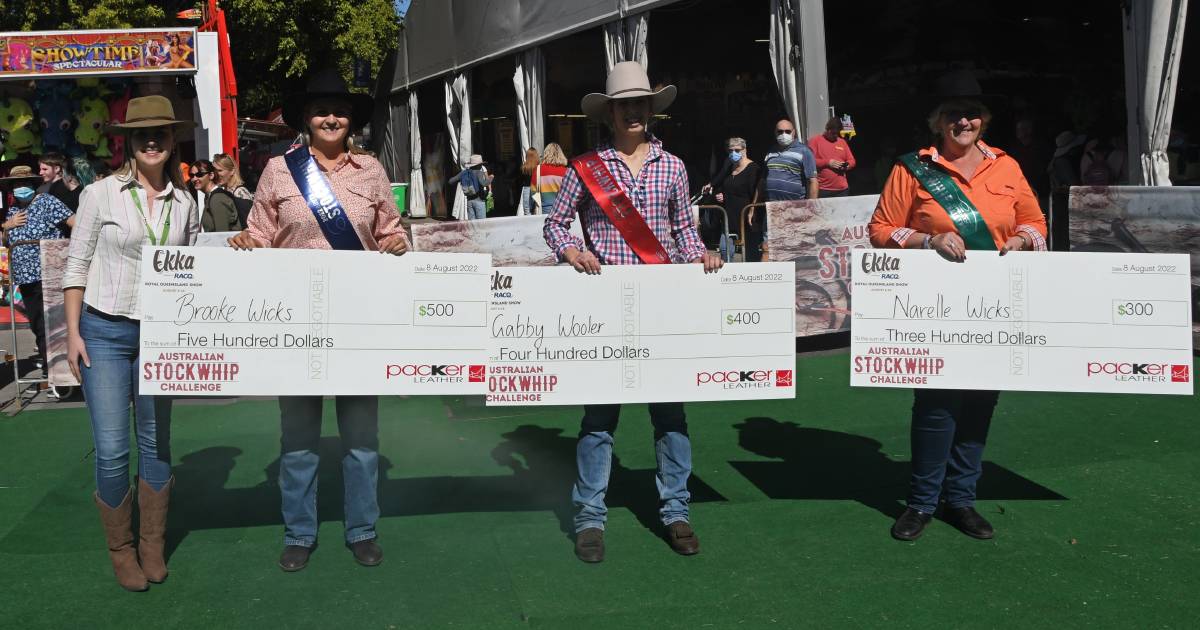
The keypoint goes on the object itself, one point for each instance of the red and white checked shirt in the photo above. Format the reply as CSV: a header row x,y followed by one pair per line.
x,y
660,193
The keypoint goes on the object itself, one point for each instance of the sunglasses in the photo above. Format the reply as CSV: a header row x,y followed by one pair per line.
x,y
969,114
201,173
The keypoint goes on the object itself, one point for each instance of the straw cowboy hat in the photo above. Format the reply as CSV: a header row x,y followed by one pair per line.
x,y
327,83
626,80
151,111
474,160
20,172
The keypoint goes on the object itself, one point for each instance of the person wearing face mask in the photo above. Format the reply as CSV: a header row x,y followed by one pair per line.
x,y
327,164
32,218
143,203
643,175
957,195
791,167
736,187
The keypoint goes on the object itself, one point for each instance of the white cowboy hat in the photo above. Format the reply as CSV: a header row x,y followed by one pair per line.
x,y
474,160
626,80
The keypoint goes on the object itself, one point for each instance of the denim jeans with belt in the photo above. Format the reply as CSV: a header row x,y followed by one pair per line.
x,y
949,431
358,426
593,456
108,386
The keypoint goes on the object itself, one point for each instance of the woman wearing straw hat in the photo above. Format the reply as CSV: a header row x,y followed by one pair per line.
x,y
636,171
143,203
327,164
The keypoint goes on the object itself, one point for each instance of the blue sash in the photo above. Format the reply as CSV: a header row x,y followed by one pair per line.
x,y
321,200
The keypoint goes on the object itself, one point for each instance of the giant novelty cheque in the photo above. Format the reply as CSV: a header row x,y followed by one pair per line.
x,y
337,322
221,322
1040,321
641,333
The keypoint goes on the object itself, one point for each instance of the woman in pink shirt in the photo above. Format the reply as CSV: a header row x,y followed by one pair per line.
x,y
366,219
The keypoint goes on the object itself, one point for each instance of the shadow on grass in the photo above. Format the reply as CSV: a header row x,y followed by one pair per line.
x,y
818,464
541,461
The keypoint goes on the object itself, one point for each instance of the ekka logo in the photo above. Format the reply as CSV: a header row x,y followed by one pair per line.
x,y
1180,373
476,373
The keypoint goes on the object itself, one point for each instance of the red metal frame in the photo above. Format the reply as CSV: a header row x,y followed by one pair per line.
x,y
215,22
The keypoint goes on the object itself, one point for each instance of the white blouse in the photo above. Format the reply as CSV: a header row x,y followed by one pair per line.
x,y
105,256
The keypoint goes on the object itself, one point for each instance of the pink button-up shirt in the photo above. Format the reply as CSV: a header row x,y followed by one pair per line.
x,y
281,218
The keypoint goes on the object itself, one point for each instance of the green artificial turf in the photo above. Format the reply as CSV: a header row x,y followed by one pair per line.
x,y
1094,498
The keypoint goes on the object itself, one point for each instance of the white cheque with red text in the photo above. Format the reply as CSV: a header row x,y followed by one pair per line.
x,y
1037,321
220,322
641,333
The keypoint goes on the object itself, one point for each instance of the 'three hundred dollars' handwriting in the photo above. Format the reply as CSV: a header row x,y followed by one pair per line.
x,y
257,311
975,307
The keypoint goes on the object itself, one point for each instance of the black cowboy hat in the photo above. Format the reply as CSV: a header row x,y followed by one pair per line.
x,y
327,83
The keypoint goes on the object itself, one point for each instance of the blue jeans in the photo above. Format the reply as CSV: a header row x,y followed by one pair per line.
x,y
593,456
300,442
109,386
949,431
526,200
476,209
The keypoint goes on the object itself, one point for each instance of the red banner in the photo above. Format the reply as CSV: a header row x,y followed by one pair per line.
x,y
619,209
82,53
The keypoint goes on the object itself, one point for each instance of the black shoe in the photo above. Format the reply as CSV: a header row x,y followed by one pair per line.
x,y
910,524
589,545
969,522
367,552
294,558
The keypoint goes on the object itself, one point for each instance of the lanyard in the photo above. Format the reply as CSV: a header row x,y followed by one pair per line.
x,y
162,240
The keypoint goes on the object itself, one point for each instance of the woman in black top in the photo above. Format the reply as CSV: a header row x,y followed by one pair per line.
x,y
736,186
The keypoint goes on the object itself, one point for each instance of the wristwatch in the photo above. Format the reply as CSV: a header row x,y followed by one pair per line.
x,y
928,242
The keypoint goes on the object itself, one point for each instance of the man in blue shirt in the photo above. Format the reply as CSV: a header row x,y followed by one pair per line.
x,y
791,168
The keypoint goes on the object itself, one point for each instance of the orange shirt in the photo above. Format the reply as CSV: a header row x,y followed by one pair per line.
x,y
998,190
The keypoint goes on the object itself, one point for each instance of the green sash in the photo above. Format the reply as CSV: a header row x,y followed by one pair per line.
x,y
964,214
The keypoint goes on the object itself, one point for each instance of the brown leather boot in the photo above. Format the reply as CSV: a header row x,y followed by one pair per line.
x,y
152,535
117,532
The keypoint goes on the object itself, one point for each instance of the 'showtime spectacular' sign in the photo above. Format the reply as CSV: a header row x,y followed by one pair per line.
x,y
38,54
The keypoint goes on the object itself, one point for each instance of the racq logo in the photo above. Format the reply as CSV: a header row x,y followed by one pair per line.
x,y
881,263
176,263
745,379
422,373
1138,372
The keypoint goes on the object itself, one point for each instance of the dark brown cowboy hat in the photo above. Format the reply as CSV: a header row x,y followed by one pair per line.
x,y
327,83
151,111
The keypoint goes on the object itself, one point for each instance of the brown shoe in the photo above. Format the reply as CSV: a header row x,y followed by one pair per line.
x,y
589,545
152,507
683,539
117,533
294,558
367,552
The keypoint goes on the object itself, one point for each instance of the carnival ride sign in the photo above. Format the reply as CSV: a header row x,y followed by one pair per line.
x,y
81,53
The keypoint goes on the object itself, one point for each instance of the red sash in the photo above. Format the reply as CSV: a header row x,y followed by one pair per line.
x,y
619,209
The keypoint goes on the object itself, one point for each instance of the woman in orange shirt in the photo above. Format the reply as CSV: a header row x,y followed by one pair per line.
x,y
950,427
